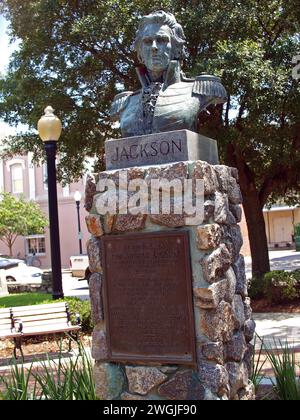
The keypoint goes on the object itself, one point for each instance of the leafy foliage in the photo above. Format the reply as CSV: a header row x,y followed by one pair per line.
x,y
76,55
277,286
19,218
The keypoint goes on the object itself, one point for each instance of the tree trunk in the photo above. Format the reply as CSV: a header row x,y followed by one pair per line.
x,y
253,209
10,245
257,233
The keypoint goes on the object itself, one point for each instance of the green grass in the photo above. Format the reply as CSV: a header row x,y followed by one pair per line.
x,y
24,299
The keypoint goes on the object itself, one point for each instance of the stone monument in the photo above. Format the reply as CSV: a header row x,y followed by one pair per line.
x,y
169,293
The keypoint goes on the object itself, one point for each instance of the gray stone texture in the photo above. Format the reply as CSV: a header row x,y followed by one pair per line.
x,y
210,298
95,288
213,352
183,386
160,148
249,330
236,348
242,282
143,379
206,172
99,344
209,236
236,211
238,378
109,380
209,211
129,223
223,214
94,253
218,324
214,377
216,264
238,312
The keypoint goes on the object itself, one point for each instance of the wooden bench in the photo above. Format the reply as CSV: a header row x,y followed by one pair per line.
x,y
28,321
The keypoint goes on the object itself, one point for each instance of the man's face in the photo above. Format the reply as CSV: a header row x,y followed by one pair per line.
x,y
156,47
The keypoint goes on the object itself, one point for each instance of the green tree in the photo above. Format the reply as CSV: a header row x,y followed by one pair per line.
x,y
19,218
77,54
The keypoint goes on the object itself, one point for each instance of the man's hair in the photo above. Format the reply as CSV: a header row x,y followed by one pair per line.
x,y
163,18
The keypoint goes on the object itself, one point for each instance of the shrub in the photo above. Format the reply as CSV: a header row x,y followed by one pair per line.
x,y
280,287
83,308
256,288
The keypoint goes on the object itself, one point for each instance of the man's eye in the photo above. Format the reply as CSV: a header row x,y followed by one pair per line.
x,y
148,41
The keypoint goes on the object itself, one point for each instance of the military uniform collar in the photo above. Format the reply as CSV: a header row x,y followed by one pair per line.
x,y
172,75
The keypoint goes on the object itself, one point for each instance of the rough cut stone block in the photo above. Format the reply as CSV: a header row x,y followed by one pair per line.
x,y
233,240
209,211
183,386
129,223
215,265
209,236
213,352
90,191
248,357
170,172
203,170
238,377
242,282
238,312
209,298
247,394
94,225
168,220
247,308
249,330
223,215
214,377
94,253
142,379
109,380
95,287
128,397
236,211
218,324
160,148
99,344
223,175
236,348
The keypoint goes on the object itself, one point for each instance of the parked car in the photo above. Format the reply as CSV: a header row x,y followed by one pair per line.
x,y
79,266
16,271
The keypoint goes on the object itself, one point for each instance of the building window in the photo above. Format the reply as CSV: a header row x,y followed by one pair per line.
x,y
17,179
35,245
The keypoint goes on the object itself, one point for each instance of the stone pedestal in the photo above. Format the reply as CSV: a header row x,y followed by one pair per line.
x,y
3,284
221,312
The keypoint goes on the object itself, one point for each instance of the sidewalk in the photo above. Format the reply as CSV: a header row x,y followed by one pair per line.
x,y
278,326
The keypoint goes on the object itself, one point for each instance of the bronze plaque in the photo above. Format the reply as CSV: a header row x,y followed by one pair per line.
x,y
148,298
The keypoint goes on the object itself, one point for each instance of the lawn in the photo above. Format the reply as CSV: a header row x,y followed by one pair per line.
x,y
24,299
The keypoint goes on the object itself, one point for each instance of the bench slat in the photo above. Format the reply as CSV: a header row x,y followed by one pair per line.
x,y
30,324
38,307
43,317
21,313
49,329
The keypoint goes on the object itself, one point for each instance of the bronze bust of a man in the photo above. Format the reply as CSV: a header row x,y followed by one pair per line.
x,y
167,100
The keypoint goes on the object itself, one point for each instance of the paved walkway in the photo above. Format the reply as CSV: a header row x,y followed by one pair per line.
x,y
288,260
272,327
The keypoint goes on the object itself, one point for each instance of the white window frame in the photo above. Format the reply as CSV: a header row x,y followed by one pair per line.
x,y
12,168
38,254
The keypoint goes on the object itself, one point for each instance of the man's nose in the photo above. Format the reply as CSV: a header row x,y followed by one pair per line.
x,y
154,45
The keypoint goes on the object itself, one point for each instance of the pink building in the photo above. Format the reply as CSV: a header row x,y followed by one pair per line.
x,y
20,176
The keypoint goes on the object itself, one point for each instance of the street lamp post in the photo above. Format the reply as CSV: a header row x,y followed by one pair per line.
x,y
77,198
49,128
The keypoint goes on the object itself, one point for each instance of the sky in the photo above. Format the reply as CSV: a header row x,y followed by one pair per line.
x,y
5,51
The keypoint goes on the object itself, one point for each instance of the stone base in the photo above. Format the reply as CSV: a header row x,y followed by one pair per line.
x,y
160,148
222,313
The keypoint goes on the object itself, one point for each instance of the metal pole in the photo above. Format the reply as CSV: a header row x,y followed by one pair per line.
x,y
50,147
79,227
